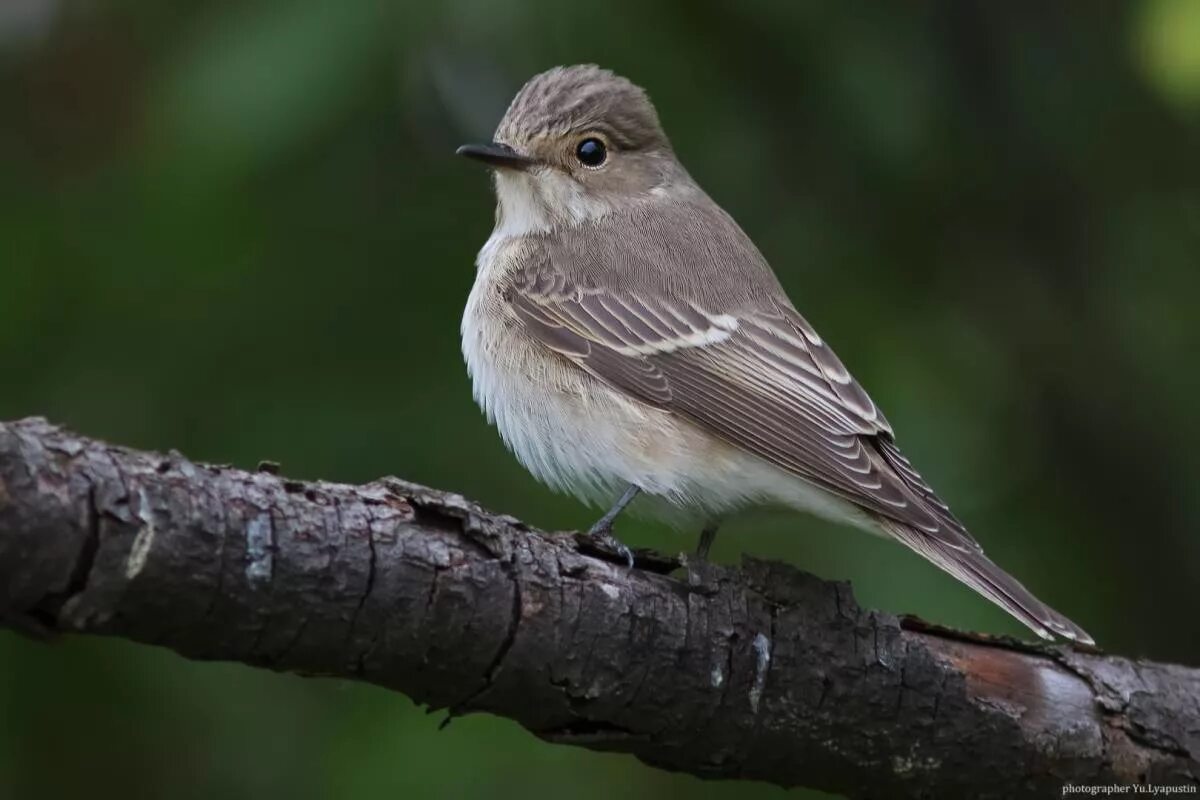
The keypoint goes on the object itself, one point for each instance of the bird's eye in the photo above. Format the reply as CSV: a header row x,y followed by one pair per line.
x,y
591,152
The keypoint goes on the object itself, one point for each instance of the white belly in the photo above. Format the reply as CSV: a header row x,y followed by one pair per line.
x,y
577,435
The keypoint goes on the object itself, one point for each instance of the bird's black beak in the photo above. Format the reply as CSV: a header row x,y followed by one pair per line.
x,y
496,155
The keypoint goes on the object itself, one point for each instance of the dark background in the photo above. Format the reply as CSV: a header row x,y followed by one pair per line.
x,y
237,229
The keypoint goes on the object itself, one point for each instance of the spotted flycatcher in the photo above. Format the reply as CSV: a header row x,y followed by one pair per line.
x,y
627,337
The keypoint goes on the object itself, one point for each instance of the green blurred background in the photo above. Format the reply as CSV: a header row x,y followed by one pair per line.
x,y
236,228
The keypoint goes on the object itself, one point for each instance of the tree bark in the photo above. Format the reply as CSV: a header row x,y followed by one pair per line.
x,y
760,672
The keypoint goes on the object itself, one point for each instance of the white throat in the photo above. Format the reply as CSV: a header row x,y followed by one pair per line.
x,y
542,201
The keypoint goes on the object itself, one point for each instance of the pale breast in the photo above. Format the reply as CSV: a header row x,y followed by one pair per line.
x,y
571,431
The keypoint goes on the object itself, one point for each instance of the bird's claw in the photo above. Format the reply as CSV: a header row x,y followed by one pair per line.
x,y
702,576
604,539
627,553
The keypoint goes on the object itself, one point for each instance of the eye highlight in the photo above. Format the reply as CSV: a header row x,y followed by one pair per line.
x,y
591,152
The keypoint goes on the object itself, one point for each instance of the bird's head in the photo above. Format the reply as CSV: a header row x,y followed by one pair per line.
x,y
575,144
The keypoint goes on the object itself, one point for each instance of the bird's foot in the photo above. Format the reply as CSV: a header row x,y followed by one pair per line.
x,y
703,577
601,536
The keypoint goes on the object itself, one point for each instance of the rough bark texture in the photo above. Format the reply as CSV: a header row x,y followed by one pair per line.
x,y
759,672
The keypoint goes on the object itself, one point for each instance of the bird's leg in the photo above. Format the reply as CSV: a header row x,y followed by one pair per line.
x,y
602,530
605,523
707,537
699,572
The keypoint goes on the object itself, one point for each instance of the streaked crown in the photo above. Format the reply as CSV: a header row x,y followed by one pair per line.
x,y
582,97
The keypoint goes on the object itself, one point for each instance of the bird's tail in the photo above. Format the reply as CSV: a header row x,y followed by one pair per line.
x,y
976,570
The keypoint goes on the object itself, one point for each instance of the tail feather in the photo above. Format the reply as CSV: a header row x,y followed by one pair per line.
x,y
981,574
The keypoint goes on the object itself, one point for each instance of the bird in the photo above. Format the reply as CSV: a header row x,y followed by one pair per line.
x,y
627,338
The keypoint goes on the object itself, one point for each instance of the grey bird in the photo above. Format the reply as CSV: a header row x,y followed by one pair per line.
x,y
625,336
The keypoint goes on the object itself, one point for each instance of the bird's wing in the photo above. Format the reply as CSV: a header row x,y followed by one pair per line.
x,y
759,377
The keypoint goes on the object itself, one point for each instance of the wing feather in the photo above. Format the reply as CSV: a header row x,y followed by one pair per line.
x,y
760,378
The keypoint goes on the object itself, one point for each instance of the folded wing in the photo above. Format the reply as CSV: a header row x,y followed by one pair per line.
x,y
759,377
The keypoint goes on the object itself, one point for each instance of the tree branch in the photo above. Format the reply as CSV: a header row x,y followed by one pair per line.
x,y
759,672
